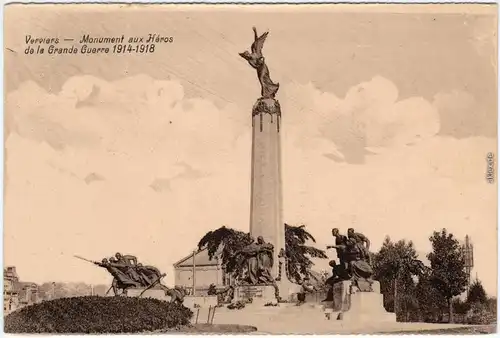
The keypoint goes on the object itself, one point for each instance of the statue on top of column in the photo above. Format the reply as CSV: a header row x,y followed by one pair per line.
x,y
258,62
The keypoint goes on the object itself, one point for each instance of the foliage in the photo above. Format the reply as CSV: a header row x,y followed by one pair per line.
x,y
60,290
218,329
226,242
298,254
394,266
94,315
211,290
480,314
448,266
431,303
271,304
476,294
321,285
397,260
492,306
236,306
460,307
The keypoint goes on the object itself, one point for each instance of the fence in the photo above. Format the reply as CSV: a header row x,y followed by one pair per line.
x,y
201,313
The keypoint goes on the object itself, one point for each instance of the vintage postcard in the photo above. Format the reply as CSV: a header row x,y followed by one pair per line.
x,y
280,169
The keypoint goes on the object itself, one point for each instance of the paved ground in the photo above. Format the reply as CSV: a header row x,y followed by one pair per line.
x,y
307,319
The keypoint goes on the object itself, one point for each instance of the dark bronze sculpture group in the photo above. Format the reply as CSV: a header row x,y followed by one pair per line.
x,y
354,260
258,263
258,258
128,273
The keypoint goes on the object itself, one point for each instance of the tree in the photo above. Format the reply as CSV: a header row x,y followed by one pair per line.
x,y
431,304
477,294
395,265
225,242
460,307
447,260
298,254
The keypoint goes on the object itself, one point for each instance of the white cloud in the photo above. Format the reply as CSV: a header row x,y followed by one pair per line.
x,y
164,169
369,117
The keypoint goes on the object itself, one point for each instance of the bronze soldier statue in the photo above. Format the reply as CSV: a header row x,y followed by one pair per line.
x,y
128,264
149,274
340,246
339,273
120,279
362,243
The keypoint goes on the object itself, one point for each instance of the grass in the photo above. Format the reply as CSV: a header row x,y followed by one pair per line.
x,y
479,329
214,328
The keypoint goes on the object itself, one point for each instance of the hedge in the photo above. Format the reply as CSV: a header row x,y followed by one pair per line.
x,y
94,314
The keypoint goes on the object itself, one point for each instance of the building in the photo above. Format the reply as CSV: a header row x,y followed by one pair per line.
x,y
17,294
28,294
10,289
199,271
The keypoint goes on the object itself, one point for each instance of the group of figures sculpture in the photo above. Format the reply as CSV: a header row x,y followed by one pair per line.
x,y
128,273
258,262
354,259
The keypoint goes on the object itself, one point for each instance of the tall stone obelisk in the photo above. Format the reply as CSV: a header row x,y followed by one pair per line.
x,y
266,218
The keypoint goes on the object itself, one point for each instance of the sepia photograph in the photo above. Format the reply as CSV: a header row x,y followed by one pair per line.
x,y
250,169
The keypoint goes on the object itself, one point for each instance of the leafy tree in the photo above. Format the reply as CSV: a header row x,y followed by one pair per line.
x,y
394,266
477,294
225,242
298,254
431,303
460,307
448,267
492,304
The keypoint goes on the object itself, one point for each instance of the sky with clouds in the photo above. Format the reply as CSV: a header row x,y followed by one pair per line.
x,y
386,127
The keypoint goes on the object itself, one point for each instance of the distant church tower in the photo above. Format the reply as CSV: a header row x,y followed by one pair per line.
x,y
469,259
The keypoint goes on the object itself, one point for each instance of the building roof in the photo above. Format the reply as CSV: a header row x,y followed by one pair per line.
x,y
9,272
201,259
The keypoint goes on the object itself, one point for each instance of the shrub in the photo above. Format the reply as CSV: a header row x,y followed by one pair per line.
x,y
96,314
236,306
480,314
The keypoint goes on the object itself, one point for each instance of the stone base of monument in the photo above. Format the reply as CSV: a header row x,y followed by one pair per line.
x,y
256,294
151,293
200,301
363,303
288,291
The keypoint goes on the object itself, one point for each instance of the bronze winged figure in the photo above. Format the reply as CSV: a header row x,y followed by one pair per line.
x,y
257,61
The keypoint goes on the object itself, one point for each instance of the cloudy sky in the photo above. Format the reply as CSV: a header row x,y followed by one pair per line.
x,y
388,115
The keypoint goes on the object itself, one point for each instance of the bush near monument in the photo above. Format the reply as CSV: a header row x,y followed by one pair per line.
x,y
94,314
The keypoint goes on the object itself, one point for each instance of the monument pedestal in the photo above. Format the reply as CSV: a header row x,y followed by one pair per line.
x,y
256,294
357,304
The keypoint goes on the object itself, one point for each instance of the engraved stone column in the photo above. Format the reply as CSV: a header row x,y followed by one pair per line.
x,y
266,199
